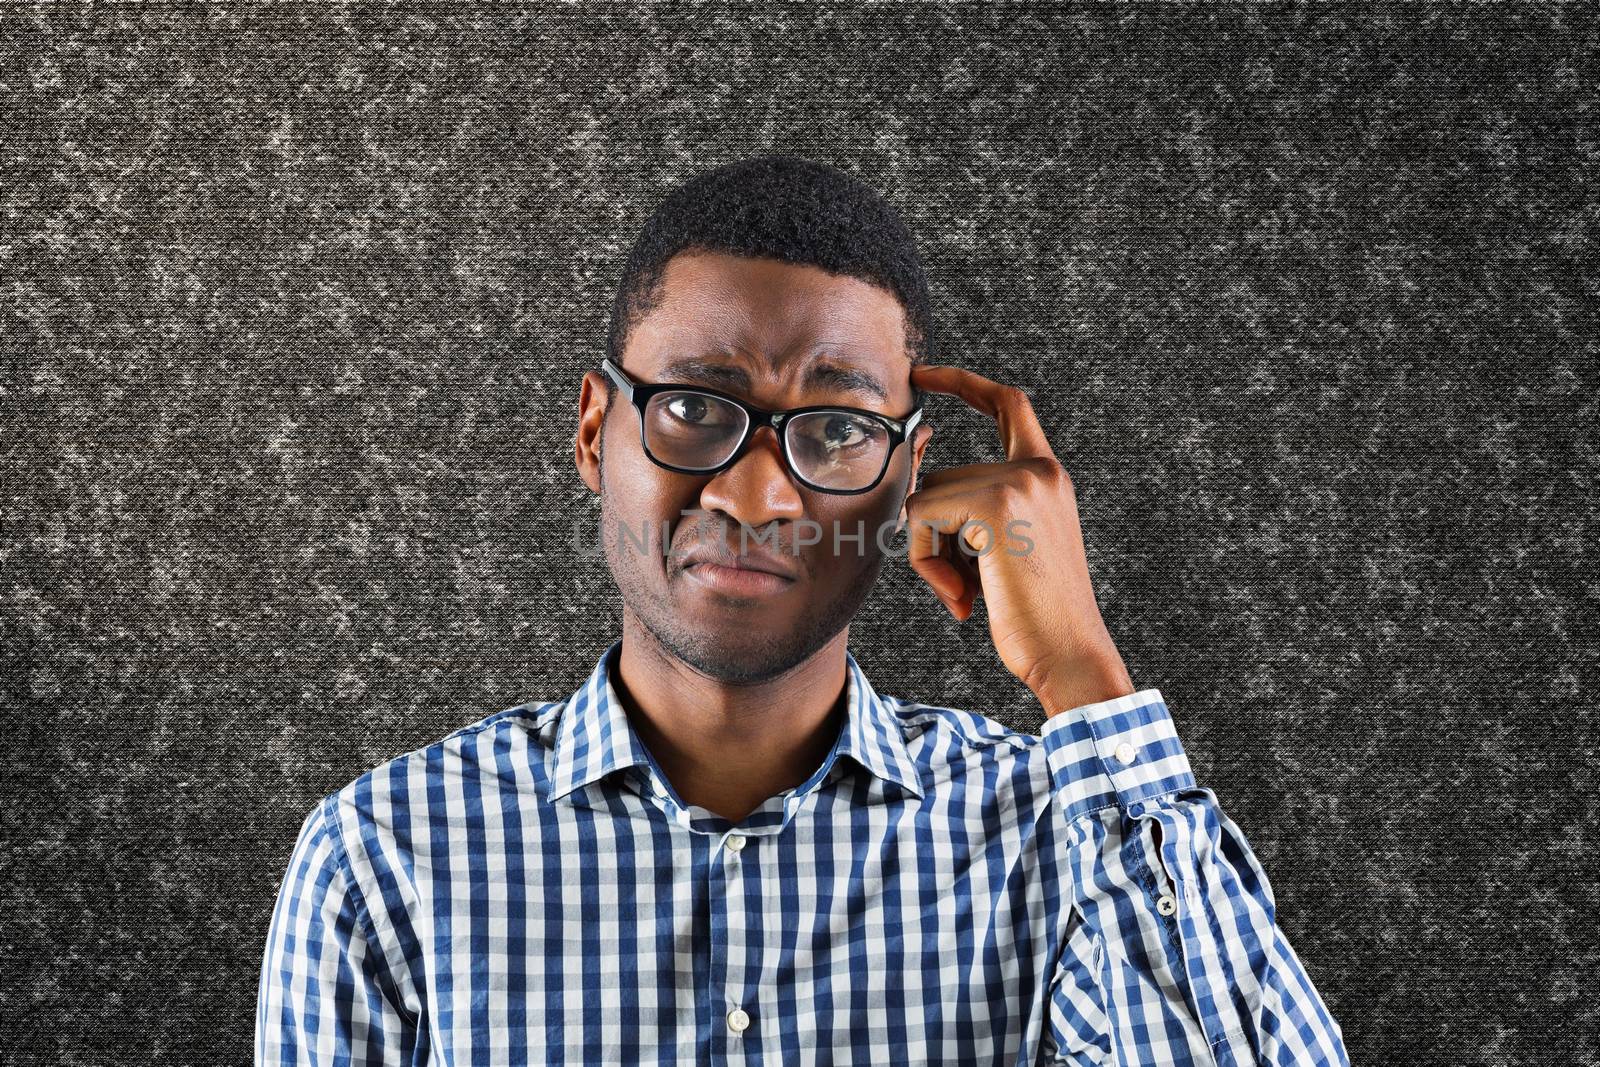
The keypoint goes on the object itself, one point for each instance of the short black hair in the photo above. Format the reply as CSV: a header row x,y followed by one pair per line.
x,y
783,207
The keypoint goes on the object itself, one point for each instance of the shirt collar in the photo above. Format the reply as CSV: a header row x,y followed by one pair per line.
x,y
594,737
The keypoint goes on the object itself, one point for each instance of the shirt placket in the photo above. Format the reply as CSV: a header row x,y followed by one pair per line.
x,y
732,1008
729,995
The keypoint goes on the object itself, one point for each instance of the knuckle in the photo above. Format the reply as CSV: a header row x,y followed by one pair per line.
x,y
1047,469
1015,396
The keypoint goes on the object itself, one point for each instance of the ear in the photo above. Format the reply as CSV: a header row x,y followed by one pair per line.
x,y
586,442
919,444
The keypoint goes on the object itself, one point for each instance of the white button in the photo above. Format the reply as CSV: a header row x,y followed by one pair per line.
x,y
1166,905
1125,753
735,842
738,1020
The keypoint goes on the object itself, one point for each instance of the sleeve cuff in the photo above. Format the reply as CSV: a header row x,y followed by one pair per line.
x,y
1114,753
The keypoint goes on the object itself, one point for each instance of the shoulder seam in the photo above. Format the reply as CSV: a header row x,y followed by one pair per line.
x,y
928,713
534,712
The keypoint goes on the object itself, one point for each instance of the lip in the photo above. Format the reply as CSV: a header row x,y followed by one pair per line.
x,y
740,581
726,559
720,568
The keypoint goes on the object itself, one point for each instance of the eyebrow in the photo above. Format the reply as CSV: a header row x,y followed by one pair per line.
x,y
694,370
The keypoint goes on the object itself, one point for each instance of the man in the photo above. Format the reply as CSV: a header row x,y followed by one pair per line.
x,y
725,846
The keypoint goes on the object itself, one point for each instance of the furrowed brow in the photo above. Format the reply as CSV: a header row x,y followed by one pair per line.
x,y
848,379
695,371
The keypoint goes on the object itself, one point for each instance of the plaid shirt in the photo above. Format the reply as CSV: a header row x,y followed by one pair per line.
x,y
942,889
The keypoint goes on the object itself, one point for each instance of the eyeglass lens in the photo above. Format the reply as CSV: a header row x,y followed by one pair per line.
x,y
830,449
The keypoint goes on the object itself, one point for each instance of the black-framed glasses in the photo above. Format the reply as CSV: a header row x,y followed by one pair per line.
x,y
829,448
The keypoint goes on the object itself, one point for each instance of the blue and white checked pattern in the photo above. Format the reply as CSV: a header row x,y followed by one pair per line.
x,y
942,889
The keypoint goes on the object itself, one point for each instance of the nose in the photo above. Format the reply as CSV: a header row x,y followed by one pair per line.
x,y
757,489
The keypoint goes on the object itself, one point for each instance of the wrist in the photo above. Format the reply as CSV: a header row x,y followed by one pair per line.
x,y
1077,683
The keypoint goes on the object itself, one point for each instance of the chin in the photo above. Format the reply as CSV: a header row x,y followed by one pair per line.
x,y
738,653
732,650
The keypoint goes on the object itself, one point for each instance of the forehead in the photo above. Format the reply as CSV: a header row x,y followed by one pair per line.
x,y
771,317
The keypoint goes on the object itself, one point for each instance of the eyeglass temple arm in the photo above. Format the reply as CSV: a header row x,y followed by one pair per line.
x,y
614,372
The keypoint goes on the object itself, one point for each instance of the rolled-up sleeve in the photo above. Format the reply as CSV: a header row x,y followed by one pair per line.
x,y
325,996
1172,954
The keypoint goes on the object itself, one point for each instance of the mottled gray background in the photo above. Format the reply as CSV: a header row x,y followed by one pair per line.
x,y
296,304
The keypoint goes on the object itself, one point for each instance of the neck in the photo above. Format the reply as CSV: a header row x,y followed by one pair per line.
x,y
730,747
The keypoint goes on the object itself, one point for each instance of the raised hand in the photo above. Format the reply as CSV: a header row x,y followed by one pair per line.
x,y
1043,616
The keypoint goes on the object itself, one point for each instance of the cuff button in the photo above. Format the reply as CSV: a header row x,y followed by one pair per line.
x,y
1125,753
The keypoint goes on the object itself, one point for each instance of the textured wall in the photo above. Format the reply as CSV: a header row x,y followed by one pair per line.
x,y
296,305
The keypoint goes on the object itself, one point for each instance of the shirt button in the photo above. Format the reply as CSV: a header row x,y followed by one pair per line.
x,y
1166,905
735,842
1125,753
738,1020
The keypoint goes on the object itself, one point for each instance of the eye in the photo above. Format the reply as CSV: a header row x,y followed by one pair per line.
x,y
843,431
835,433
688,407
695,409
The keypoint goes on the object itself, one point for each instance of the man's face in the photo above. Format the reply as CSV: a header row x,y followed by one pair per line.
x,y
759,329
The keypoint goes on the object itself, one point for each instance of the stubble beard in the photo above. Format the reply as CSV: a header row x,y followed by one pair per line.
x,y
646,583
